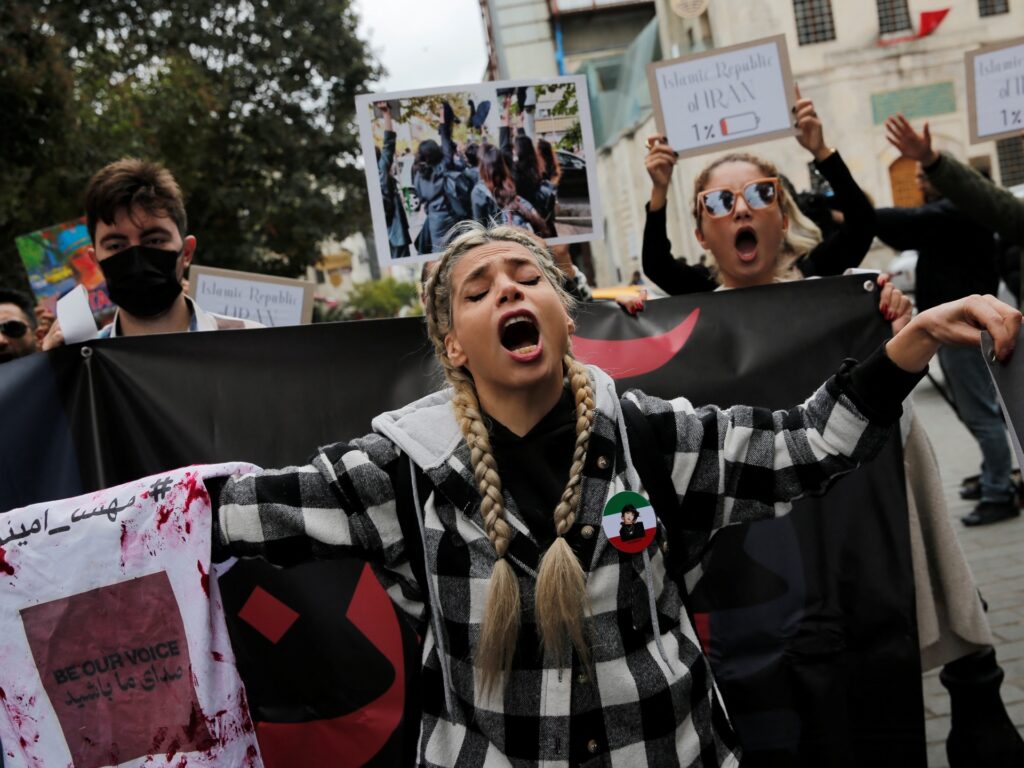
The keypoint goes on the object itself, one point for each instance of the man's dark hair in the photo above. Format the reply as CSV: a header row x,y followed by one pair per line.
x,y
471,152
22,302
132,183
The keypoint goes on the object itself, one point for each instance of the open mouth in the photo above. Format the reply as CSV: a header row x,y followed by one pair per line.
x,y
746,244
520,335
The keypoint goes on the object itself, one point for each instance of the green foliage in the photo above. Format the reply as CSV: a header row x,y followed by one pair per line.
x,y
379,299
566,107
249,103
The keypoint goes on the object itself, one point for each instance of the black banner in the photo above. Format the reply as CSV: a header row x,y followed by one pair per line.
x,y
808,620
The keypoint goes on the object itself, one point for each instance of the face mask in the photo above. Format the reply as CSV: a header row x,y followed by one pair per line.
x,y
142,281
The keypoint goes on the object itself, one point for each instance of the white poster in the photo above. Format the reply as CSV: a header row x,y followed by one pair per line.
x,y
995,91
271,301
113,646
724,98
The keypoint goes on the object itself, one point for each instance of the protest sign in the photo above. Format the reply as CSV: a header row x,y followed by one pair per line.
x,y
995,91
1009,380
57,259
271,301
413,204
724,98
113,645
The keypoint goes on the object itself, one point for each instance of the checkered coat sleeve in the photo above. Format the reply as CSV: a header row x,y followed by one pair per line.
x,y
341,503
744,463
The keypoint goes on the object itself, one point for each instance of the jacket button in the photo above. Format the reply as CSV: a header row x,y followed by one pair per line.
x,y
602,462
592,746
587,531
582,678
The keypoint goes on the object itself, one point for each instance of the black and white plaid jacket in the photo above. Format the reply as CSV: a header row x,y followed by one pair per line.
x,y
648,699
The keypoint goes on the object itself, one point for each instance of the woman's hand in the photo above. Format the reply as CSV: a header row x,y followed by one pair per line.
x,y
385,111
917,146
894,305
632,303
811,136
956,323
563,259
660,162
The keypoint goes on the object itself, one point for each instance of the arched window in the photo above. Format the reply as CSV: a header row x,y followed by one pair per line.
x,y
903,179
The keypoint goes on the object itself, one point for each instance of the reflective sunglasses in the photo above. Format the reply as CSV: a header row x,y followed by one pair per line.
x,y
759,194
13,329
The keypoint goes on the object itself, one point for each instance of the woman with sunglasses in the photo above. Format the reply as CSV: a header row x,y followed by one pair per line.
x,y
741,221
772,236
17,325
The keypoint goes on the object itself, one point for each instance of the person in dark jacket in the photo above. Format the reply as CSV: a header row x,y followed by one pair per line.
x,y
394,210
521,157
845,248
632,527
436,165
956,258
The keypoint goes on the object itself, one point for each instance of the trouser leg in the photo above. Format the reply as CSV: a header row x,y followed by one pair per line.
x,y
976,402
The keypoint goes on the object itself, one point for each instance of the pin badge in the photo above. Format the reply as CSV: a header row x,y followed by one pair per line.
x,y
629,522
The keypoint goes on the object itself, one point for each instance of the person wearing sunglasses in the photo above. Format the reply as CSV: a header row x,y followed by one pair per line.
x,y
17,325
758,230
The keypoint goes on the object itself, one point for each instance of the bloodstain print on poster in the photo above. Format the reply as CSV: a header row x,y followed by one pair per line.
x,y
115,664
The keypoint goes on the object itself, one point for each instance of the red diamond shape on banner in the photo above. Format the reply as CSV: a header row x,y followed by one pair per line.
x,y
267,615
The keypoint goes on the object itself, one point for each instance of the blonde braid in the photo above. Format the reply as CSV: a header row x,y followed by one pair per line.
x,y
561,585
500,625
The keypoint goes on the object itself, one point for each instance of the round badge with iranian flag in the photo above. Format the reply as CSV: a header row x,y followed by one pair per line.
x,y
629,522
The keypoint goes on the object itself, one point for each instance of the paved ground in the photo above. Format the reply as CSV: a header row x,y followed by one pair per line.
x,y
996,555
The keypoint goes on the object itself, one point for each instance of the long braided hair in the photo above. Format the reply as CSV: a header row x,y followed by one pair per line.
x,y
560,602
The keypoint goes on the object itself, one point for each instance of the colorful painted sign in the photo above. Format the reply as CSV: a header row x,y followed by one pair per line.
x,y
57,259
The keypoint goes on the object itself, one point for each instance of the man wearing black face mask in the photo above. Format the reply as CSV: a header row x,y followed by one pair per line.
x,y
136,219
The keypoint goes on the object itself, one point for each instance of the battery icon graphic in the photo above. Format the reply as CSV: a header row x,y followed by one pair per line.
x,y
741,123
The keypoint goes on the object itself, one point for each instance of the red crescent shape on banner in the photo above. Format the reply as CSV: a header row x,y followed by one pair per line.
x,y
635,357
354,738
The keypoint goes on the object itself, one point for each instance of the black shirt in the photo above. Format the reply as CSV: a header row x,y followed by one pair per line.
x,y
534,468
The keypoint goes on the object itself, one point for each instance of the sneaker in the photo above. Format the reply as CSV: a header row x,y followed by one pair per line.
x,y
970,487
988,512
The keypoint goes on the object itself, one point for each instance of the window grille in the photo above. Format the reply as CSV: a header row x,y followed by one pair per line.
x,y
814,22
893,16
1011,160
993,7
